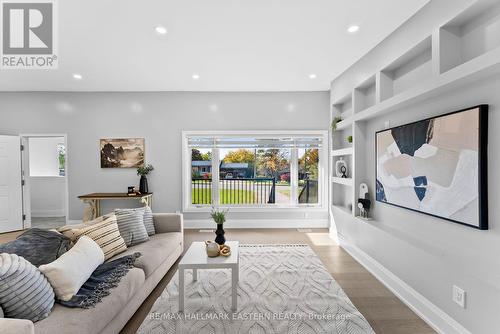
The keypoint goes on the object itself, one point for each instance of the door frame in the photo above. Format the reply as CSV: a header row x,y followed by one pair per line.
x,y
25,174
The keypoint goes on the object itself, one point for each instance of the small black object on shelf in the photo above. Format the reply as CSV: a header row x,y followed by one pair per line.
x,y
343,170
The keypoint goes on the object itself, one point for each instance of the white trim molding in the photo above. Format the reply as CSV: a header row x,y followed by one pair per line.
x,y
430,313
258,223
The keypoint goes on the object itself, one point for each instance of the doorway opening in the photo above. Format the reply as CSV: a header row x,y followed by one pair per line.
x,y
45,191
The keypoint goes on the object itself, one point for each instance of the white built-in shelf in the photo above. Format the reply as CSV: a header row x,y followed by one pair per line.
x,y
341,208
342,152
342,180
343,106
364,95
364,220
476,69
414,66
344,124
473,33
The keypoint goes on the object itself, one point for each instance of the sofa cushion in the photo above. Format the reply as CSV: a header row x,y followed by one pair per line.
x,y
24,292
131,226
38,246
65,320
155,251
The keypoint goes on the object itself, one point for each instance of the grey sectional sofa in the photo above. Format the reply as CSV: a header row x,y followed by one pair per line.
x,y
108,317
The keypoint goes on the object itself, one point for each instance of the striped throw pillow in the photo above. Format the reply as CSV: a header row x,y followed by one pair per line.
x,y
25,293
105,233
131,226
148,221
147,215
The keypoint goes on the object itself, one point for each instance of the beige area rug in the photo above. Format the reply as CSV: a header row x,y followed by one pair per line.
x,y
282,289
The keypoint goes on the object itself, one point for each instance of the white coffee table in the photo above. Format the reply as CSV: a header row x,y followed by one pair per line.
x,y
196,258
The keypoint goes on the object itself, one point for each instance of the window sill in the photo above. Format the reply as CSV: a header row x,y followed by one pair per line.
x,y
47,176
259,209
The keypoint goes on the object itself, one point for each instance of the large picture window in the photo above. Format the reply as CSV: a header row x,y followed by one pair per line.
x,y
254,170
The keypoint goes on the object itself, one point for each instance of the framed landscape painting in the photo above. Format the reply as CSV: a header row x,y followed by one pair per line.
x,y
122,153
437,166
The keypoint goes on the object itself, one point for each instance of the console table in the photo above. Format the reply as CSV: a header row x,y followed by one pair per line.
x,y
94,202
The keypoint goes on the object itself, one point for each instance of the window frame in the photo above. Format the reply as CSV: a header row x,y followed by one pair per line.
x,y
323,192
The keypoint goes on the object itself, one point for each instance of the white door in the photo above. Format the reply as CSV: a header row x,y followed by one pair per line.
x,y
11,194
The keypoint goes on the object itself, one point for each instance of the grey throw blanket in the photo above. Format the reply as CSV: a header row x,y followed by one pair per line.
x,y
38,246
106,277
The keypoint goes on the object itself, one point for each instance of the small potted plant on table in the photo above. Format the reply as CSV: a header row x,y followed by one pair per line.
x,y
219,217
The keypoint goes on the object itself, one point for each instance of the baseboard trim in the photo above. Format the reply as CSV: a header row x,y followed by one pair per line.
x,y
258,223
48,213
430,313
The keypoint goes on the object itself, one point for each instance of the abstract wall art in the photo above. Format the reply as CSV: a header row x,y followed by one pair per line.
x,y
122,153
437,166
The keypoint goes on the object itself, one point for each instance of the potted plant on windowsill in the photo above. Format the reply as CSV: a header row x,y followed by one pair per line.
x,y
219,217
143,171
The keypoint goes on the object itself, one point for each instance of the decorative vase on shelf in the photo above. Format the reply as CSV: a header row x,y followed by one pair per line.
x,y
220,235
143,185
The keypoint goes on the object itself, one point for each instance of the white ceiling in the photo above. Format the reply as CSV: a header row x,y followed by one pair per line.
x,y
234,45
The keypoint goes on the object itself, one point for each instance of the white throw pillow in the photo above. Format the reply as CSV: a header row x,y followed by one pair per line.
x,y
69,272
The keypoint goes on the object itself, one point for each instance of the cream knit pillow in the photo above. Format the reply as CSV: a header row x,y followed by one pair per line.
x,y
68,273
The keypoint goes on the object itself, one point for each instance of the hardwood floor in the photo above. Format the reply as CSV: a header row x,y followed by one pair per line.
x,y
383,310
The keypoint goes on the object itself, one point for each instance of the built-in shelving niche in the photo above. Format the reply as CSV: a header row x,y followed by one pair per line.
x,y
364,96
342,187
343,107
469,35
412,68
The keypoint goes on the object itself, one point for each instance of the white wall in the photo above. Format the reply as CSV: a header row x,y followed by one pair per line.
x,y
159,118
43,156
48,196
430,254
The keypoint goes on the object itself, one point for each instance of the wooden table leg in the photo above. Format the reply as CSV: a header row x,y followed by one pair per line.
x,y
147,200
90,212
98,208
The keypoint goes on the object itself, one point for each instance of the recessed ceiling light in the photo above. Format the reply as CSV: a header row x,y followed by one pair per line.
x,y
353,29
161,30
77,76
195,76
312,76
